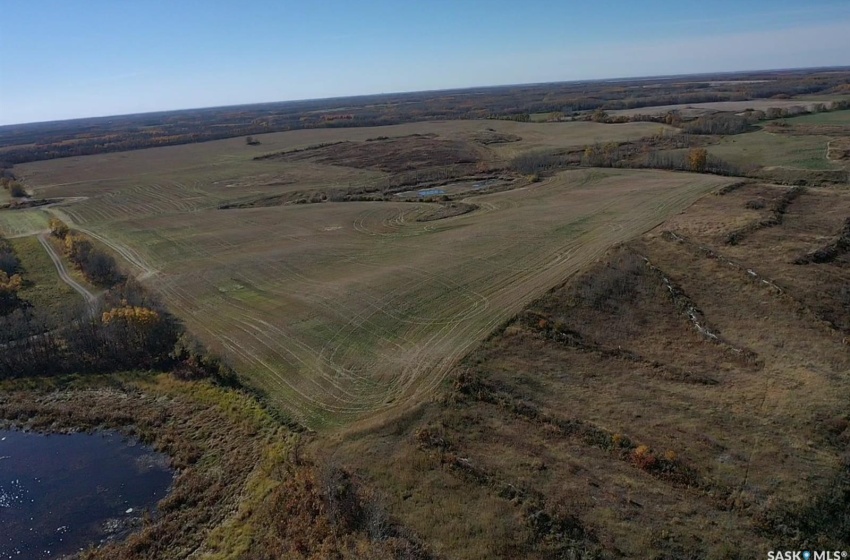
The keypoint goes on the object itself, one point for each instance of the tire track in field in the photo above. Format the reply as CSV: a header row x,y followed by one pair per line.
x,y
131,256
412,374
446,337
89,297
395,328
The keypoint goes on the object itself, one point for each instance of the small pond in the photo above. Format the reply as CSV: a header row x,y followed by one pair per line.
x,y
455,188
60,493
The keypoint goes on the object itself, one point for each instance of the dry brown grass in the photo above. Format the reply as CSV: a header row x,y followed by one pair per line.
x,y
605,401
240,491
337,310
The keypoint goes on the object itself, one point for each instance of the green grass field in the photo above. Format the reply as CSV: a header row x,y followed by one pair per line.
x,y
42,288
22,222
766,149
827,118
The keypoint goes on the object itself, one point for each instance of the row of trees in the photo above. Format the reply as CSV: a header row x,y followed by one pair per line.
x,y
626,155
97,266
695,159
542,161
723,123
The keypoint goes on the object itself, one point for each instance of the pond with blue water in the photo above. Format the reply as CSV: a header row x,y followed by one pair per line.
x,y
60,493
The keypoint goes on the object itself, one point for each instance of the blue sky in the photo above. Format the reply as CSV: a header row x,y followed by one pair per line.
x,y
76,58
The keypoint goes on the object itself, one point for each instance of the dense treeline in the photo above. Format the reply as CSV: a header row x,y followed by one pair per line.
x,y
10,278
9,262
692,160
543,161
22,143
722,124
126,330
682,152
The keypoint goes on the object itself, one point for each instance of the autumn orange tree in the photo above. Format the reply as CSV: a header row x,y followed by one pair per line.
x,y
10,283
9,286
697,159
58,228
98,267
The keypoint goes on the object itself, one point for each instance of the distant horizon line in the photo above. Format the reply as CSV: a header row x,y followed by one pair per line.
x,y
437,90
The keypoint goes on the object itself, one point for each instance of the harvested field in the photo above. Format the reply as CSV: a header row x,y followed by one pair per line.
x,y
226,168
190,178
341,309
338,310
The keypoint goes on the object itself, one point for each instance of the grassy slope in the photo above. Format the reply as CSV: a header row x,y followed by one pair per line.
x,y
766,149
544,419
827,118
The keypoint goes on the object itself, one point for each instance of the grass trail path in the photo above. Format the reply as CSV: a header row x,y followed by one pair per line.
x,y
63,272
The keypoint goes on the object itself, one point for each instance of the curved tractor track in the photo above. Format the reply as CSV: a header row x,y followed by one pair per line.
x,y
341,310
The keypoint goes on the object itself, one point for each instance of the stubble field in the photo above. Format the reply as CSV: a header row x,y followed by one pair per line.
x,y
337,310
